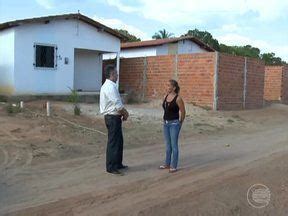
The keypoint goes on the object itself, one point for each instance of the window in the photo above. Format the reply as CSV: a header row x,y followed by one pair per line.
x,y
45,56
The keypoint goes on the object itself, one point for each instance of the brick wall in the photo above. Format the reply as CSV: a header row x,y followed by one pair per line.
x,y
285,85
196,78
255,83
158,71
131,76
230,82
273,83
148,77
232,73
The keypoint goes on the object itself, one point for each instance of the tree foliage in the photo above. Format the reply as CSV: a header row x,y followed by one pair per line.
x,y
247,50
162,34
205,37
130,37
271,59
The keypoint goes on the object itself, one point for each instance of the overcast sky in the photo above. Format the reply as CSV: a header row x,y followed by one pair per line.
x,y
260,23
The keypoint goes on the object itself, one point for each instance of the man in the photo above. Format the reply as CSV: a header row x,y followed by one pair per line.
x,y
114,113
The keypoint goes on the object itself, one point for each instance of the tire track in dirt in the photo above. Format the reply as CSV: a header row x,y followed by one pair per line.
x,y
154,187
5,157
146,192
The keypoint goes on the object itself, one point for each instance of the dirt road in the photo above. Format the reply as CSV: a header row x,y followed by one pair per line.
x,y
217,168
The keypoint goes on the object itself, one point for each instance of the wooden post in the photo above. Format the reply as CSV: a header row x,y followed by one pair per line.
x,y
48,108
118,67
144,81
215,102
245,84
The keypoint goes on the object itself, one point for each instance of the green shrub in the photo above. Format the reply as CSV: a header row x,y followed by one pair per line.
x,y
74,98
3,98
13,108
77,110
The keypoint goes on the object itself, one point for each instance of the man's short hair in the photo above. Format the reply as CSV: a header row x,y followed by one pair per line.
x,y
109,69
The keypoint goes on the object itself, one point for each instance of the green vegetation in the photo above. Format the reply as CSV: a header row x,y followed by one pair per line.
x,y
162,34
207,38
74,98
247,50
13,108
130,37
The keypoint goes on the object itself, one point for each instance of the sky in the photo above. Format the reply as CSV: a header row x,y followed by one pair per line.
x,y
260,23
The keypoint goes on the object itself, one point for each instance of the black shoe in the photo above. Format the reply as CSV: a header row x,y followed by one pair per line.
x,y
123,167
115,172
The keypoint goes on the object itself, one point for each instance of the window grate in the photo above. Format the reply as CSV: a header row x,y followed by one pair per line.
x,y
45,56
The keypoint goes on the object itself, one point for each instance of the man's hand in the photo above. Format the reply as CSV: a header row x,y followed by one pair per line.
x,y
124,113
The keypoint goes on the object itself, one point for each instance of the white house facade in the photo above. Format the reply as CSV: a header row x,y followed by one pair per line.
x,y
50,55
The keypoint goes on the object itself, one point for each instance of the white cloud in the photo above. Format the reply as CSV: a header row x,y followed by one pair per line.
x,y
231,28
48,4
119,24
198,11
121,6
264,46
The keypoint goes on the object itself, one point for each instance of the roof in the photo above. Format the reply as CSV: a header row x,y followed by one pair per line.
x,y
158,42
46,19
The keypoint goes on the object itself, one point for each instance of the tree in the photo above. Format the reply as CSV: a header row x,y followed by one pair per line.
x,y
205,37
162,34
270,59
130,37
247,51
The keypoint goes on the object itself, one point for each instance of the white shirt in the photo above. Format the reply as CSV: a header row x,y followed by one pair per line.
x,y
110,100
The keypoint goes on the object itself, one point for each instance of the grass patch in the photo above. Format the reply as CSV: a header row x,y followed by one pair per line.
x,y
13,108
3,98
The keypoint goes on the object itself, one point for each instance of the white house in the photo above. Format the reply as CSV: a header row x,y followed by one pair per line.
x,y
49,55
168,46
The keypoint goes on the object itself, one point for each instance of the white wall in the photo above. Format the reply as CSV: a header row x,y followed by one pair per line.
x,y
187,46
184,47
88,70
67,35
7,61
133,53
162,49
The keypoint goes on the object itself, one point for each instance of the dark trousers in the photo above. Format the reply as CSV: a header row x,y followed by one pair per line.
x,y
114,150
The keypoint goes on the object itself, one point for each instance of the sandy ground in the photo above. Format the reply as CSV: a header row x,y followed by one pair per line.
x,y
50,167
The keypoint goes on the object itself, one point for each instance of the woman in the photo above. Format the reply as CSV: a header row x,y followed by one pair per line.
x,y
174,115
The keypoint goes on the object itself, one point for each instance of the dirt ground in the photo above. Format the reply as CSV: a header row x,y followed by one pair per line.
x,y
49,166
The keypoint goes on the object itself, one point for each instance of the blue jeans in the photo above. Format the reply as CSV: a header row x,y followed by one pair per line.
x,y
171,133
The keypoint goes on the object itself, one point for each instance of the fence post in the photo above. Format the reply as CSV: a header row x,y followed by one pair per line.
x,y
245,84
144,83
48,108
176,67
216,70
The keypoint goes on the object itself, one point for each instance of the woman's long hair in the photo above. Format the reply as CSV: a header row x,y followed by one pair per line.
x,y
175,84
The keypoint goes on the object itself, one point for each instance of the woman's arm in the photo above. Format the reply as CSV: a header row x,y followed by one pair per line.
x,y
181,105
